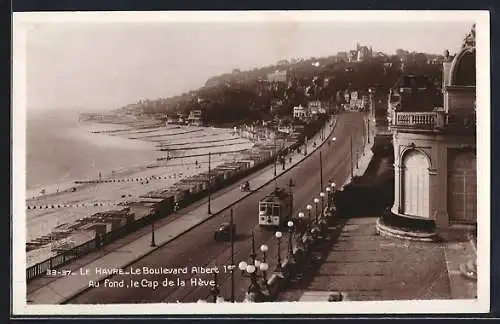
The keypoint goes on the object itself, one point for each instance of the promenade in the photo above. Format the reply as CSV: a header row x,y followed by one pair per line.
x,y
363,266
55,290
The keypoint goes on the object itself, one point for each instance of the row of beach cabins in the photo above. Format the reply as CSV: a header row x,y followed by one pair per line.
x,y
69,241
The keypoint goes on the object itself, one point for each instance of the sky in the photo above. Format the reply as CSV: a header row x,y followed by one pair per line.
x,y
103,66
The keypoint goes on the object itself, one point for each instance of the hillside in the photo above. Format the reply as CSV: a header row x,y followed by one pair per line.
x,y
249,95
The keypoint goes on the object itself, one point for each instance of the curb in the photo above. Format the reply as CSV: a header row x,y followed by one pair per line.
x,y
385,230
81,291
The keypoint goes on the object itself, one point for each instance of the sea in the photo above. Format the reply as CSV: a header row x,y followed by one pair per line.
x,y
60,149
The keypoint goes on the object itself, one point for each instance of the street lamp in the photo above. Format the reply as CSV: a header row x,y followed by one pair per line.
x,y
209,211
316,201
328,196
301,224
275,155
153,242
290,234
278,236
249,270
332,141
321,169
322,195
309,207
314,233
254,287
264,266
215,289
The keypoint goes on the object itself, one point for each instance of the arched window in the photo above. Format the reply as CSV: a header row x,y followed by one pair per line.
x,y
416,184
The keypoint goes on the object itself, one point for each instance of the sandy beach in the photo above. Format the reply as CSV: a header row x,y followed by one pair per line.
x,y
187,148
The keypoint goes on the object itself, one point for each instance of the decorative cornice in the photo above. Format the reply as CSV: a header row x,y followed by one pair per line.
x,y
460,88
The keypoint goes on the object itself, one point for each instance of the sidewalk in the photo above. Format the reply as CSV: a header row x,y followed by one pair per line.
x,y
366,155
63,288
365,266
362,265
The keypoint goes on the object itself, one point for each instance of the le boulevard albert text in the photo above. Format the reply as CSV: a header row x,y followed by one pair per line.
x,y
146,277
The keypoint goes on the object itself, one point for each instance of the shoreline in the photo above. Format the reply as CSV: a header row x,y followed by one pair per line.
x,y
61,206
112,133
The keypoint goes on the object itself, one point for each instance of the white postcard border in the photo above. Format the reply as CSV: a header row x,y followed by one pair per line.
x,y
22,21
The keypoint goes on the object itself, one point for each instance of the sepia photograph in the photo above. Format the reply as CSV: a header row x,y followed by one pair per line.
x,y
286,162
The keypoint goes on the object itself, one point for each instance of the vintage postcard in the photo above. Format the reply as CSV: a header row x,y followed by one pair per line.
x,y
294,162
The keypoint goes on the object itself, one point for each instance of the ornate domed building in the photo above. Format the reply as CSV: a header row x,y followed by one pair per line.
x,y
435,154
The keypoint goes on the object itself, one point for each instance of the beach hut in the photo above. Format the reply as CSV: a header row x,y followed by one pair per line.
x,y
141,208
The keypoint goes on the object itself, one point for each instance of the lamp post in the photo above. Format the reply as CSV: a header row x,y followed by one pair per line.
x,y
314,233
328,197
209,184
305,146
316,201
215,289
351,164
309,207
322,195
368,130
333,140
275,155
290,235
250,270
153,243
231,233
254,287
264,266
321,168
278,236
291,184
301,224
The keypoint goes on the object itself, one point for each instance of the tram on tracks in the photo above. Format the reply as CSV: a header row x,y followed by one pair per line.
x,y
275,210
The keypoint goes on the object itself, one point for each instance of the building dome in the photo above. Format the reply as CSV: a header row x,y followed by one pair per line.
x,y
463,68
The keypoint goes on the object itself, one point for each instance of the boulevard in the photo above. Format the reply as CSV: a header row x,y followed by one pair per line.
x,y
197,247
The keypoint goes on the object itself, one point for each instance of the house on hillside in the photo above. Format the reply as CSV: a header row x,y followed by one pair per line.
x,y
275,105
278,76
181,119
300,112
171,119
194,118
317,107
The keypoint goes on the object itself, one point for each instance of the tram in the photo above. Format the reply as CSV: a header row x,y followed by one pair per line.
x,y
275,209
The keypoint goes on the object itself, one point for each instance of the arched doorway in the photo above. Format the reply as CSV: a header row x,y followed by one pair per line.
x,y
416,184
462,184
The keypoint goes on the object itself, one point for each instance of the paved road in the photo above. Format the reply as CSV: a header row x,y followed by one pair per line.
x,y
197,247
57,289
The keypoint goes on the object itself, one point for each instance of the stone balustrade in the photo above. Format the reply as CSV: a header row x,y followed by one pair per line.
x,y
419,120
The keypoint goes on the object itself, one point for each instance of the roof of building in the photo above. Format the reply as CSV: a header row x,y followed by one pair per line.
x,y
463,68
414,82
